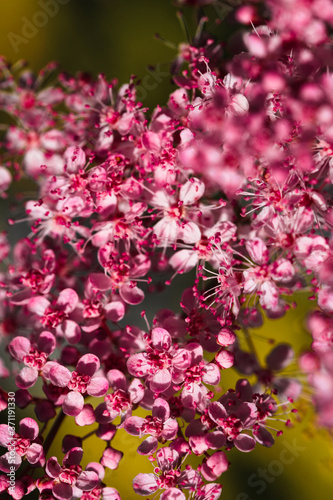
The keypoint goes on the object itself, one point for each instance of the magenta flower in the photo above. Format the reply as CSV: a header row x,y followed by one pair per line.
x,y
158,364
194,393
100,491
34,357
81,381
262,279
239,411
159,425
123,397
123,273
97,307
69,479
168,476
57,315
175,223
23,444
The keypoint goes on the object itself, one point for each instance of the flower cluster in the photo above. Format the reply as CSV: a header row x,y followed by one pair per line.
x,y
229,182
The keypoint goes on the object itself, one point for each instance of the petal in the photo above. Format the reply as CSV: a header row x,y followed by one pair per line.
x,y
148,446
19,347
215,440
111,458
191,191
196,352
280,357
224,359
167,458
46,342
160,381
161,409
106,431
192,395
263,436
244,443
7,461
62,491
115,310
110,494
269,295
100,281
133,425
87,480
257,251
28,428
73,404
68,300
38,305
73,456
244,389
71,331
70,441
210,491
88,365
184,260
190,233
34,453
215,466
53,467
131,295
97,387
98,468
212,375
198,444
161,339
172,494
136,391
59,375
247,413
216,411
117,380
145,484
181,360
166,230
86,417
170,429
5,434
137,365
26,378
140,265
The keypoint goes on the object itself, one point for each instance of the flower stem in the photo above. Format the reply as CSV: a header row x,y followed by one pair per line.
x,y
53,432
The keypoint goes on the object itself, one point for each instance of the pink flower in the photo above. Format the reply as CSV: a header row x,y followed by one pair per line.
x,y
23,444
194,393
81,381
69,479
238,411
159,425
123,273
57,315
261,279
175,223
168,476
158,363
34,357
123,397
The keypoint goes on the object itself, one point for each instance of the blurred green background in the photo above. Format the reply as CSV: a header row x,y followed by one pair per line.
x,y
117,38
99,36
